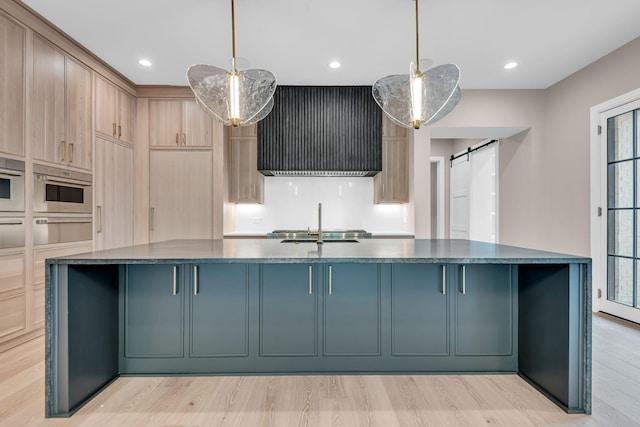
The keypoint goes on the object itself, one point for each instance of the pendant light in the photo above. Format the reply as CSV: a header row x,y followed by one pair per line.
x,y
235,97
420,97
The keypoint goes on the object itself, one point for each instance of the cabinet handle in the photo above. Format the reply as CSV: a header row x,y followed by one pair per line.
x,y
63,147
383,188
73,152
114,129
152,225
464,280
184,139
444,280
177,140
119,131
99,219
330,282
195,280
175,280
310,280
254,190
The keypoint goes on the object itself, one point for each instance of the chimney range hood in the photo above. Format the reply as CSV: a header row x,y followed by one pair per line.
x,y
321,131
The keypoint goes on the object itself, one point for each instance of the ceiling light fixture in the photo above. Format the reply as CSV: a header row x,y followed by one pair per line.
x,y
235,97
145,63
510,65
334,64
419,98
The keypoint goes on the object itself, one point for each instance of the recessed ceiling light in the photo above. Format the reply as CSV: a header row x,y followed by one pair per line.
x,y
510,65
334,64
145,63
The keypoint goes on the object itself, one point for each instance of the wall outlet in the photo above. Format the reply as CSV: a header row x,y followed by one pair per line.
x,y
257,220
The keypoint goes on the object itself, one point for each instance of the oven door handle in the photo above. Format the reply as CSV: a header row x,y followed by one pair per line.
x,y
11,222
57,180
68,221
10,172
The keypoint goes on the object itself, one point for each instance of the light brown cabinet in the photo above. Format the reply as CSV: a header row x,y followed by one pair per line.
x,y
113,192
114,111
62,108
12,55
13,308
39,257
246,183
179,123
180,194
392,184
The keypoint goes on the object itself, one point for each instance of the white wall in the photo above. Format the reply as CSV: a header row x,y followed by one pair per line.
x,y
347,203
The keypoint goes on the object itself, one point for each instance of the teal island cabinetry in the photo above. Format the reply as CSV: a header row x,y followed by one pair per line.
x,y
216,307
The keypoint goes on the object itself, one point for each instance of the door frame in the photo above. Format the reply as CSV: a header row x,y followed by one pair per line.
x,y
598,185
439,161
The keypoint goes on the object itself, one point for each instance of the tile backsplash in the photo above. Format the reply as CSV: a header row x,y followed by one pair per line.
x,y
347,203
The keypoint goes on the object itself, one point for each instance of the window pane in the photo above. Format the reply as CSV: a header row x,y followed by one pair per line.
x,y
621,185
621,233
621,280
620,137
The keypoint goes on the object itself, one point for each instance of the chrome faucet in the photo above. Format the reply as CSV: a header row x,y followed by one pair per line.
x,y
319,241
319,232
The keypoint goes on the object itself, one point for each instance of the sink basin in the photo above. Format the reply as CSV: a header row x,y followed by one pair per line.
x,y
314,241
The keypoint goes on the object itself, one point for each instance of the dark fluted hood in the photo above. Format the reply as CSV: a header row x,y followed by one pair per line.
x,y
321,131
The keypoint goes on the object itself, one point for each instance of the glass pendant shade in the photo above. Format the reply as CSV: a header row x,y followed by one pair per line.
x,y
419,98
237,97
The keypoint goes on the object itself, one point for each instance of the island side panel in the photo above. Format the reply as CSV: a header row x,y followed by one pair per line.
x,y
551,332
82,334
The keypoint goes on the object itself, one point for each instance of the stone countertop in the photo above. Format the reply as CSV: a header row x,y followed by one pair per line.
x,y
366,250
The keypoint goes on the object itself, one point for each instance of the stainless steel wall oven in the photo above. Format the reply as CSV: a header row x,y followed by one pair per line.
x,y
61,191
11,185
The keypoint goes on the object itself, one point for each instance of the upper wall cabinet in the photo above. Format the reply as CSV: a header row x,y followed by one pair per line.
x,y
62,106
179,123
246,183
392,184
11,86
114,111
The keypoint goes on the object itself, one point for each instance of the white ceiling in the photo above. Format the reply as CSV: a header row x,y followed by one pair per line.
x,y
296,39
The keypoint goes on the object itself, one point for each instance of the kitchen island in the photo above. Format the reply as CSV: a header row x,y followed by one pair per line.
x,y
234,307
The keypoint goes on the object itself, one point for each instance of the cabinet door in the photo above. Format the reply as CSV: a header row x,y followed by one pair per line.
x,y
288,315
484,310
419,307
153,311
197,125
165,122
48,108
246,184
219,310
126,125
113,191
11,87
13,309
106,99
352,310
79,102
392,184
181,191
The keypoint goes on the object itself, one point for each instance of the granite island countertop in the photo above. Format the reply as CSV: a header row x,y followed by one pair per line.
x,y
366,250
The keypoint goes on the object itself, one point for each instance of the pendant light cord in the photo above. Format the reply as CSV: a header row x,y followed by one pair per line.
x,y
233,37
417,54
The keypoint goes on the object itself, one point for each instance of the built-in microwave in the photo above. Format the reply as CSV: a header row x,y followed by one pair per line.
x,y
61,191
11,185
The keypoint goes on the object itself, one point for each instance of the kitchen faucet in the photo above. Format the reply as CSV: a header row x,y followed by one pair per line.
x,y
319,232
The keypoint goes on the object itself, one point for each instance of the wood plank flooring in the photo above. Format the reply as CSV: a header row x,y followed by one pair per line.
x,y
348,401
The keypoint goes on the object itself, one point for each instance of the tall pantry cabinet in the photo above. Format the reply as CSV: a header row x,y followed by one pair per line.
x,y
114,165
183,160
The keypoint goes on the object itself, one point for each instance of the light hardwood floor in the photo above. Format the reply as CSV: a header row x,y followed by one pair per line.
x,y
372,400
